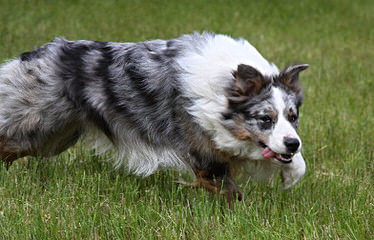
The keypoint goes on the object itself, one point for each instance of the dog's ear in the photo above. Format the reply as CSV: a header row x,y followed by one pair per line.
x,y
248,83
289,76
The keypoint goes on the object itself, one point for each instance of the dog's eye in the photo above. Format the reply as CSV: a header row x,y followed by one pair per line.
x,y
266,119
292,118
266,122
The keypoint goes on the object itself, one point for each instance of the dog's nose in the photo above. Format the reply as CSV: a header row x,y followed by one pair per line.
x,y
292,144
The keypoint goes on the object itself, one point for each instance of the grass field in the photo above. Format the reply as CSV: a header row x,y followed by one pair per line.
x,y
77,195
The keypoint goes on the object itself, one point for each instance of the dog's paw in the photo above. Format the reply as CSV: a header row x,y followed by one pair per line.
x,y
233,193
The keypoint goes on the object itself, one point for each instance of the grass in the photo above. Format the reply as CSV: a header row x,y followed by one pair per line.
x,y
77,195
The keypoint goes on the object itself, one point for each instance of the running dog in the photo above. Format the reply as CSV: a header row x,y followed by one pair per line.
x,y
204,102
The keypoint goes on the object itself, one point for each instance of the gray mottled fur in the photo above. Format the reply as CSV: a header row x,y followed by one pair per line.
x,y
158,103
129,91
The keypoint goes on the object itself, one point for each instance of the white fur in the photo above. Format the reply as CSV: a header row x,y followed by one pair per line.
x,y
283,127
133,154
208,74
266,169
293,171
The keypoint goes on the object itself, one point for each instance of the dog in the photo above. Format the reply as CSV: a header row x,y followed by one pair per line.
x,y
204,102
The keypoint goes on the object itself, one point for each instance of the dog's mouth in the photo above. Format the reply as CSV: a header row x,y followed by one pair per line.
x,y
268,153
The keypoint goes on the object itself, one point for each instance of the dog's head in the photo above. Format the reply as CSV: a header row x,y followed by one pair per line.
x,y
265,111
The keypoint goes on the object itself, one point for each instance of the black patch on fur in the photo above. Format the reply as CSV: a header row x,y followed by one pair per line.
x,y
138,80
102,71
28,56
171,49
210,164
37,53
228,115
32,135
39,80
71,60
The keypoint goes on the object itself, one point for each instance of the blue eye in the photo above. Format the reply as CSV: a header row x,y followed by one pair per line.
x,y
266,119
266,122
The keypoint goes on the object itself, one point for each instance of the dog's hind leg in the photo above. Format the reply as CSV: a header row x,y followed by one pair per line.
x,y
36,118
9,157
39,145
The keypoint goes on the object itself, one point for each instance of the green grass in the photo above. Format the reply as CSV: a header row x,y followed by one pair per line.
x,y
77,195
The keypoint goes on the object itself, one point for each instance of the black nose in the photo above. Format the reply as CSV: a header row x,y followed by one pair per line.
x,y
292,144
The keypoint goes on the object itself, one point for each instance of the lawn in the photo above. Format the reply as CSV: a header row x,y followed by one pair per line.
x,y
78,195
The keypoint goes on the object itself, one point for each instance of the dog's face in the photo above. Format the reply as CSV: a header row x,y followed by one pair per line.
x,y
265,111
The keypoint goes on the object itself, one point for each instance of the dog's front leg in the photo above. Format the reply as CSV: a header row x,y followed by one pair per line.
x,y
291,173
215,177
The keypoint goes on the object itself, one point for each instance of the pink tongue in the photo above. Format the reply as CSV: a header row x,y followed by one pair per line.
x,y
267,153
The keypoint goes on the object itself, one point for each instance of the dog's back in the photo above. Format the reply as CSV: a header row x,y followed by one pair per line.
x,y
129,91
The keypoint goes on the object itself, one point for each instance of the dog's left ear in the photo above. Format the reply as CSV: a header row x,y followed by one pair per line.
x,y
290,76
